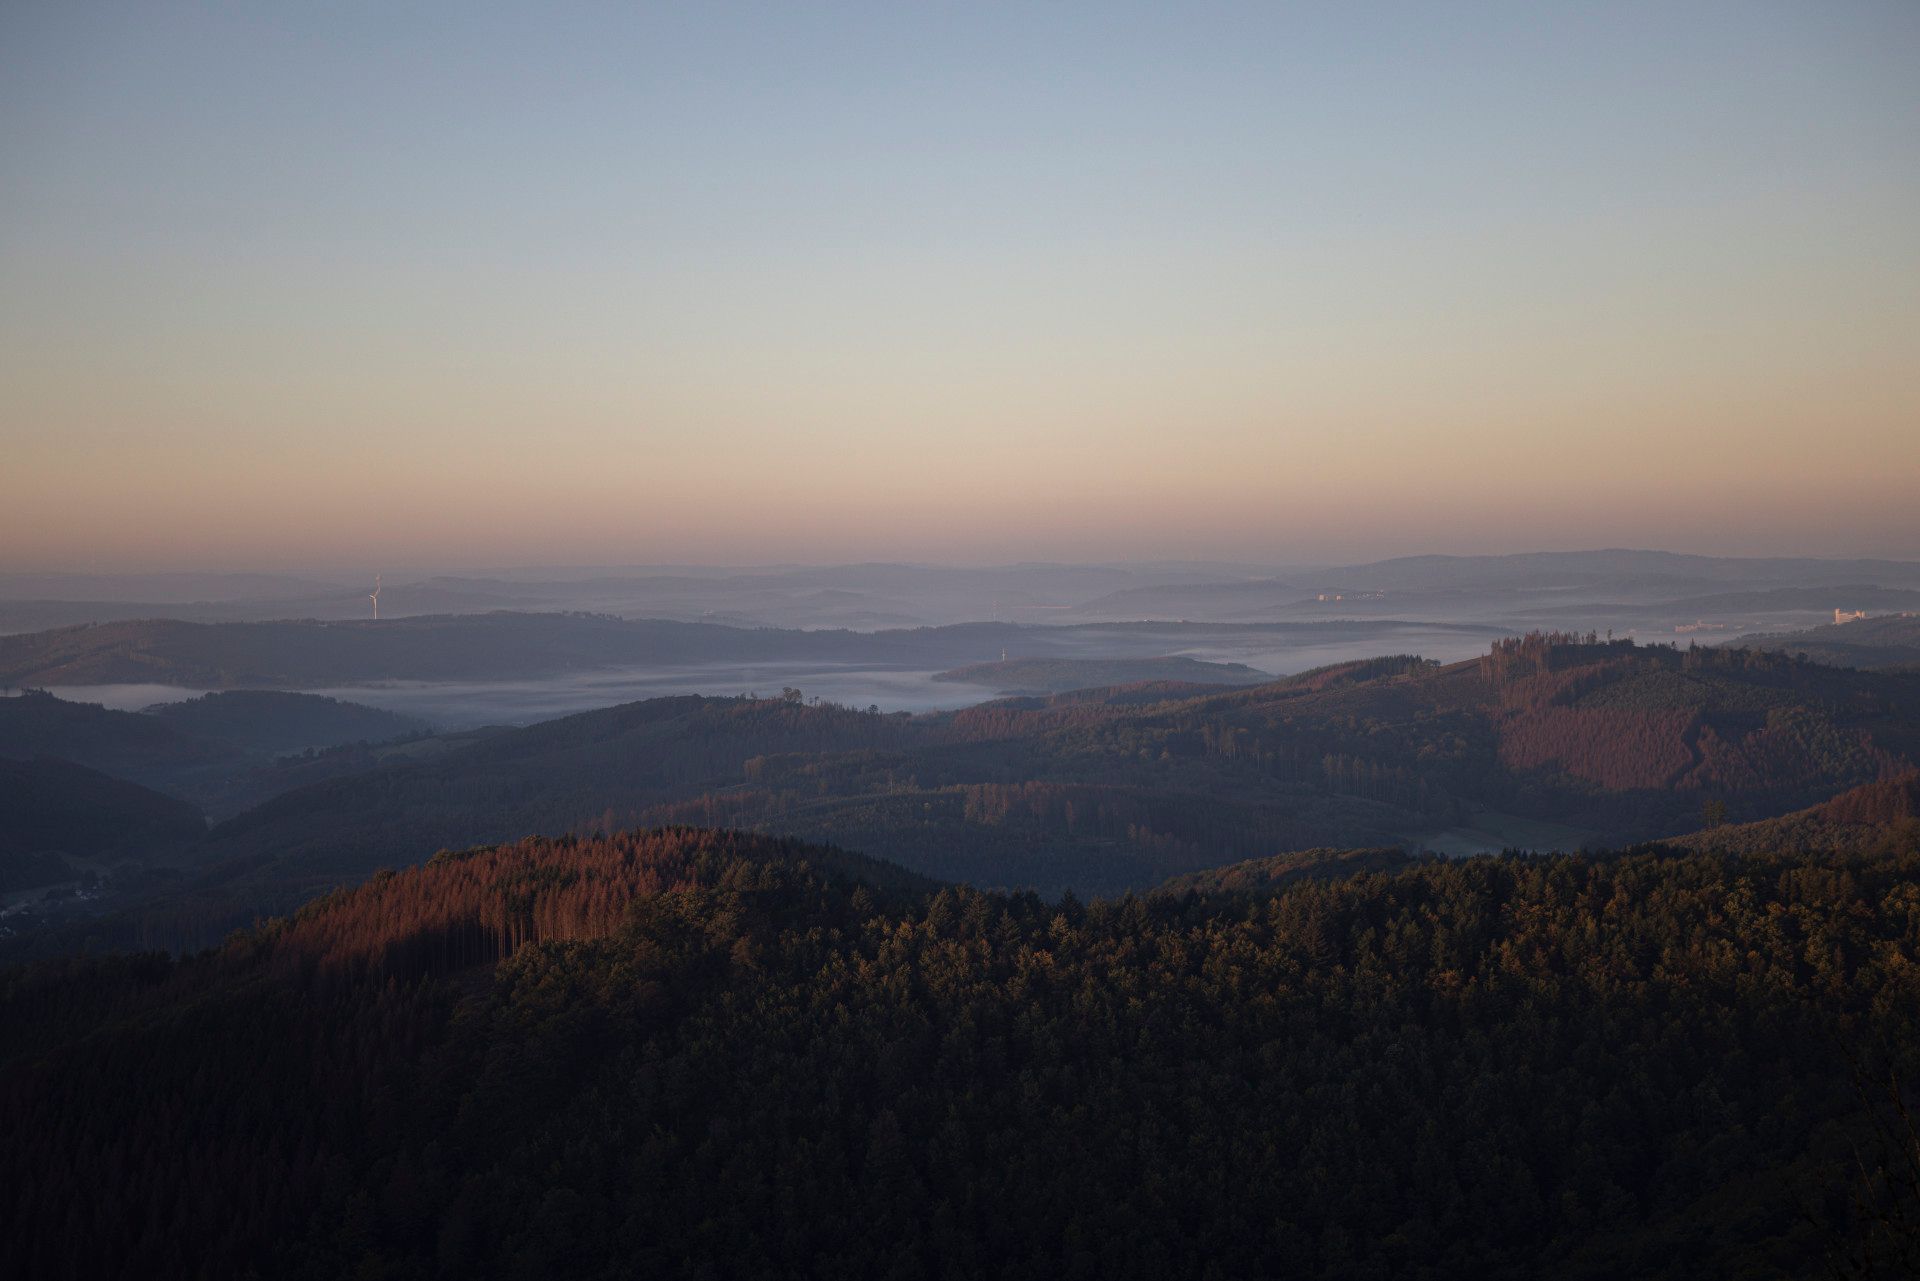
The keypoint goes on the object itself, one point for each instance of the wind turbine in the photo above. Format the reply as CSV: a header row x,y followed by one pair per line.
x,y
374,596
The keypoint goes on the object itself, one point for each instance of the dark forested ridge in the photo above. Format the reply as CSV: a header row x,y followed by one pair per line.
x,y
222,752
682,1053
278,722
53,812
141,749
1265,875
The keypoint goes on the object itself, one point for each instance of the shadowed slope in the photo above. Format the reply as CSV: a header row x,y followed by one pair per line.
x,y
51,808
1875,816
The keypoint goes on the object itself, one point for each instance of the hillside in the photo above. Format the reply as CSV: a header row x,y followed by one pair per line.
x,y
1627,740
1881,816
219,752
53,811
147,750
1888,641
681,1053
856,596
1059,675
277,723
1265,875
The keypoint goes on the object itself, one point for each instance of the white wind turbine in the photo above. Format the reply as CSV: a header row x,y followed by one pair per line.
x,y
374,595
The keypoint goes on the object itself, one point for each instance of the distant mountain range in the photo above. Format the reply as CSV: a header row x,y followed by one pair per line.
x,y
1612,588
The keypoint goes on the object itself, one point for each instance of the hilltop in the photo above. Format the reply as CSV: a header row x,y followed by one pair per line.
x,y
277,723
682,1052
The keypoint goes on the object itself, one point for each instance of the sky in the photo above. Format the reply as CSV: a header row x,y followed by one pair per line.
x,y
359,284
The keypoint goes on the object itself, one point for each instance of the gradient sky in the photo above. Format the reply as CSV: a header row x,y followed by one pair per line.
x,y
345,284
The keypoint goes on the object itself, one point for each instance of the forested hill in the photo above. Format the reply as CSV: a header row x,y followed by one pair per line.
x,y
53,813
142,749
1888,641
275,722
1873,816
218,752
688,1054
1265,875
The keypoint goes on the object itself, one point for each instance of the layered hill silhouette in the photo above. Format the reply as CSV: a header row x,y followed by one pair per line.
x,y
148,750
1268,875
223,752
310,654
1101,791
